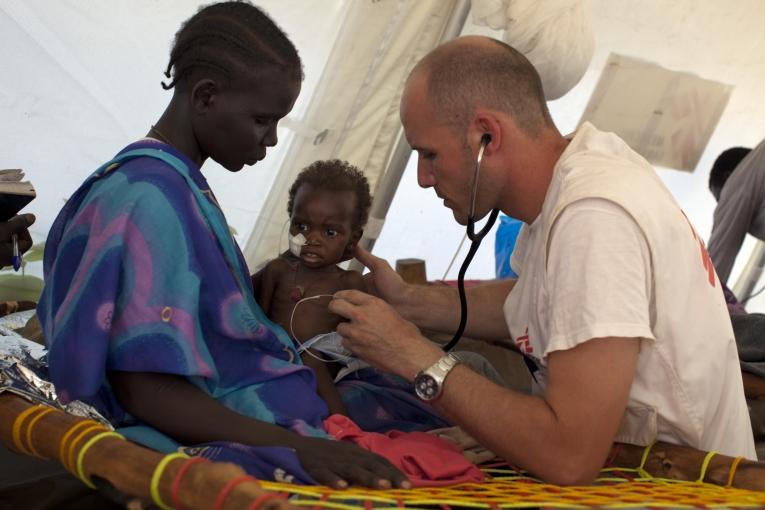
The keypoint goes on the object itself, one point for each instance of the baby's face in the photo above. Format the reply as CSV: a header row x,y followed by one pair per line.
x,y
324,217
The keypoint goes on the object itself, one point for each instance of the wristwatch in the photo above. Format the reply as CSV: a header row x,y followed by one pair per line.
x,y
429,383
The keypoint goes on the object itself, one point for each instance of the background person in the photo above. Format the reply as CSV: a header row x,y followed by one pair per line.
x,y
737,181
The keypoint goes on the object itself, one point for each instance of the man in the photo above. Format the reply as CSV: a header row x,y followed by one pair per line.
x,y
624,320
737,181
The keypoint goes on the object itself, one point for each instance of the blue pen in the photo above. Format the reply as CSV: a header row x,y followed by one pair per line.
x,y
16,254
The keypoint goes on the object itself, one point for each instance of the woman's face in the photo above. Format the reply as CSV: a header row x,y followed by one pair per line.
x,y
238,123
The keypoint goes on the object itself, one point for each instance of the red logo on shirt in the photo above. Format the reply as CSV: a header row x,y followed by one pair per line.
x,y
706,260
523,344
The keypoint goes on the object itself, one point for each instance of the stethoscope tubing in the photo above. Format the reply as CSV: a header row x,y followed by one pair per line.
x,y
475,242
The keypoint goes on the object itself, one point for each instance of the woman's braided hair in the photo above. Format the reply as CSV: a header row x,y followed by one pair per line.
x,y
226,39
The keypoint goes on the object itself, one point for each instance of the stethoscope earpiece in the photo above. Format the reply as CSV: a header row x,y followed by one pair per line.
x,y
472,235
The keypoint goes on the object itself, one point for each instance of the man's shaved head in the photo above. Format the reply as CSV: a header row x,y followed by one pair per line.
x,y
472,72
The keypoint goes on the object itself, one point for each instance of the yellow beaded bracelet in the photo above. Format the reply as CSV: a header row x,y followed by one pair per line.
x,y
81,456
30,427
72,449
17,424
69,433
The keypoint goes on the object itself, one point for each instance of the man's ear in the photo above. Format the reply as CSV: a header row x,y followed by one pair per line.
x,y
203,95
486,123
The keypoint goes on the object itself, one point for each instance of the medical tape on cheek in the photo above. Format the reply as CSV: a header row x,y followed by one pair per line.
x,y
296,243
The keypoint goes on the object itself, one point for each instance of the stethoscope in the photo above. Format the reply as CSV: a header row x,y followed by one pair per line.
x,y
475,242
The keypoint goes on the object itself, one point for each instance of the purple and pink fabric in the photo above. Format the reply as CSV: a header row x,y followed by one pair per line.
x,y
142,274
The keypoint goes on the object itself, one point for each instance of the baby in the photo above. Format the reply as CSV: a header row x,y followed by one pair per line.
x,y
328,207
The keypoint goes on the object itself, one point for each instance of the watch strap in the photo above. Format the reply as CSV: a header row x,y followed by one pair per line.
x,y
428,384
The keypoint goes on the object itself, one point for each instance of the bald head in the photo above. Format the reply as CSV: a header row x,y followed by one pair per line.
x,y
479,72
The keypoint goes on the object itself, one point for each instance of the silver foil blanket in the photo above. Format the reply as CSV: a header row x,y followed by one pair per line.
x,y
24,370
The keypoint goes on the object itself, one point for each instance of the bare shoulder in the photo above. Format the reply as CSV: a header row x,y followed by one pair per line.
x,y
280,265
270,273
275,267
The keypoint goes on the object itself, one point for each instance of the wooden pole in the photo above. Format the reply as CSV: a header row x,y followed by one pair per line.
x,y
683,463
125,465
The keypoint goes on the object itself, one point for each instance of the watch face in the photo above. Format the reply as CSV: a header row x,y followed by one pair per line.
x,y
426,387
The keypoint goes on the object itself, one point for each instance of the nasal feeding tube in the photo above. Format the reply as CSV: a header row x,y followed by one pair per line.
x,y
296,243
475,242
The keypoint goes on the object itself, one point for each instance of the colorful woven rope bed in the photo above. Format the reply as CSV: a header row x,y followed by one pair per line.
x,y
101,457
508,488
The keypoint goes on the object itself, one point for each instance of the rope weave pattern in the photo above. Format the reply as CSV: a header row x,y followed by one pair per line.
x,y
506,486
510,488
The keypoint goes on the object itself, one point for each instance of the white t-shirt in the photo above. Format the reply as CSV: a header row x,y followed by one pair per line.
x,y
612,255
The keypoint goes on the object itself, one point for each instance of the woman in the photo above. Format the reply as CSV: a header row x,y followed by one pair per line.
x,y
147,308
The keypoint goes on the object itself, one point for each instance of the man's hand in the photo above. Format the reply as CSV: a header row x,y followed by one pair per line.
x,y
339,464
380,336
18,225
436,307
382,280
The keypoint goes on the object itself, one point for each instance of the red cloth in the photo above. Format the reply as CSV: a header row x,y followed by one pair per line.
x,y
425,459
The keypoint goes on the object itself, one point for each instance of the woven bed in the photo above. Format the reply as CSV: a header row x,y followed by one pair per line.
x,y
660,476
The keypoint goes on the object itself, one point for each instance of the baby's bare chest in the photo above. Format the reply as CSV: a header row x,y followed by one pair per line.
x,y
300,303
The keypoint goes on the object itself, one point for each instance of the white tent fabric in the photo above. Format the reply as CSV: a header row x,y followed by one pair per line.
x,y
716,40
667,116
355,114
80,79
555,36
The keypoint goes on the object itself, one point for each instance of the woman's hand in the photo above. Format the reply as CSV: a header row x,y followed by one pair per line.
x,y
339,464
376,333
